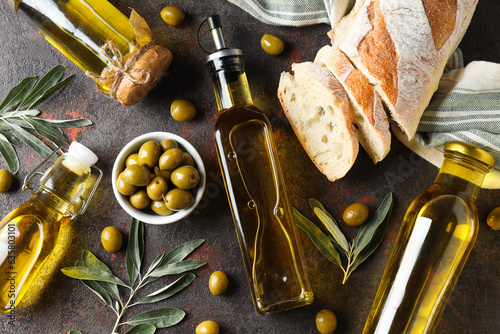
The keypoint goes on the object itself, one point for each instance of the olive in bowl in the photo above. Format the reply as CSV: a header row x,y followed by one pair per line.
x,y
150,205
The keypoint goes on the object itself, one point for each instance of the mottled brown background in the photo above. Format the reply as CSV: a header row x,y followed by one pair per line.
x,y
66,304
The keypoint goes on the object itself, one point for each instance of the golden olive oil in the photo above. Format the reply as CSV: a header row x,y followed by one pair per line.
x,y
29,234
262,213
79,28
261,210
435,239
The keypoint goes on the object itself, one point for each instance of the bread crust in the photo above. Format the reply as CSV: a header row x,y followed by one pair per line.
x,y
319,112
370,117
402,47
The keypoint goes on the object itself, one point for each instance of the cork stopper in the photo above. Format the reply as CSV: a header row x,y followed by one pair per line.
x,y
154,62
130,81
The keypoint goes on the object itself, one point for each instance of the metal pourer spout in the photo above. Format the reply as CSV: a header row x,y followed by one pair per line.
x,y
216,30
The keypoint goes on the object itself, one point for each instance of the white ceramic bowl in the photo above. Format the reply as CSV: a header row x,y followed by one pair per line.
x,y
146,215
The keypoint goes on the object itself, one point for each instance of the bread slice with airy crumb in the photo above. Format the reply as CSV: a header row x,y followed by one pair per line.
x,y
319,112
370,118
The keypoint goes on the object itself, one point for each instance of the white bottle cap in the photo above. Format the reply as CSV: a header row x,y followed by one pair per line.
x,y
82,154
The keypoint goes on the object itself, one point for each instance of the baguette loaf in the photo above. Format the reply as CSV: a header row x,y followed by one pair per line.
x,y
372,126
402,47
319,112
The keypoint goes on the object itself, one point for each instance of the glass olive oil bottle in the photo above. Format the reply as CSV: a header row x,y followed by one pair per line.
x,y
79,28
261,210
119,53
435,239
29,233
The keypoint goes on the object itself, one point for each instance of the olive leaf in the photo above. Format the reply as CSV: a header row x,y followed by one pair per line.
x,y
369,236
99,278
176,255
76,332
18,117
169,290
318,237
142,329
135,250
160,318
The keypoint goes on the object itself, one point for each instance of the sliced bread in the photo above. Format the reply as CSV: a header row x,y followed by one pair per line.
x,y
371,122
319,112
402,47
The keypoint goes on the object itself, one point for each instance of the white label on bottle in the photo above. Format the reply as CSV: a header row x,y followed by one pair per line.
x,y
399,286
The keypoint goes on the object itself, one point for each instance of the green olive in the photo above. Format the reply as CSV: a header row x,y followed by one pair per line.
x,y
140,200
124,187
163,173
111,239
182,110
207,327
326,321
178,199
156,188
272,44
185,177
5,180
167,144
355,214
132,159
160,208
137,175
171,159
188,160
218,283
172,15
149,154
493,219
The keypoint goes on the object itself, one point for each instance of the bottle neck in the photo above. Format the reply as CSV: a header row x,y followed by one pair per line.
x,y
231,89
462,173
62,184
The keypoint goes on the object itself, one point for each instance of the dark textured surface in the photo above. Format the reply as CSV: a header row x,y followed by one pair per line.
x,y
65,304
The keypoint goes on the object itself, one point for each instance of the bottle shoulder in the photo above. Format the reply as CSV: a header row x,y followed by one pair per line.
x,y
230,117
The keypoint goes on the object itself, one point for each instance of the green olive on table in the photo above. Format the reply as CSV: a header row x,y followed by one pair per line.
x,y
207,327
272,44
160,208
149,154
111,239
178,199
123,187
182,110
185,177
172,15
132,159
167,144
137,175
140,200
5,180
355,214
326,321
493,219
156,188
170,159
218,283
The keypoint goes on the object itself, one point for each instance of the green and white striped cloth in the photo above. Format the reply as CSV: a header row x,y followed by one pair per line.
x,y
296,13
465,108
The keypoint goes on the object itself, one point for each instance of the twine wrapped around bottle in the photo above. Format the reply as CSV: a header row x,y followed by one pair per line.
x,y
129,80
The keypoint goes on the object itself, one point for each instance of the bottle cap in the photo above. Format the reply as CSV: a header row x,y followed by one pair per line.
x,y
224,58
472,151
81,154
